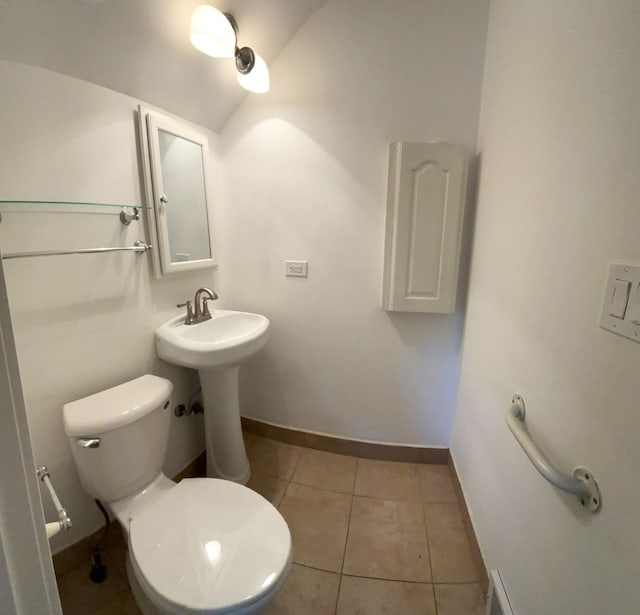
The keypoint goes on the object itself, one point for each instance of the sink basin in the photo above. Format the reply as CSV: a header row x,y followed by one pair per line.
x,y
227,339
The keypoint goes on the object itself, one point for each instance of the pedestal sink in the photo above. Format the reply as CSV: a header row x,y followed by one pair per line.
x,y
216,347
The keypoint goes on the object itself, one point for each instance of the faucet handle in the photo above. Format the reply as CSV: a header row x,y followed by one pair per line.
x,y
189,318
205,306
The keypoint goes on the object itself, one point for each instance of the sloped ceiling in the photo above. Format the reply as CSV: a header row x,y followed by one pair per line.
x,y
141,47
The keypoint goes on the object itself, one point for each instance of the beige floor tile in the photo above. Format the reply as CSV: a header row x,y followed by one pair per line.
x,y
270,487
460,599
79,595
360,596
117,555
387,540
121,603
275,458
390,480
306,592
249,439
72,558
436,483
318,521
326,471
451,558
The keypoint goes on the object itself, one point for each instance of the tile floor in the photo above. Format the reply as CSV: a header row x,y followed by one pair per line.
x,y
369,538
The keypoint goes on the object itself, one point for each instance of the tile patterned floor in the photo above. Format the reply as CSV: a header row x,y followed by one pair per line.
x,y
369,538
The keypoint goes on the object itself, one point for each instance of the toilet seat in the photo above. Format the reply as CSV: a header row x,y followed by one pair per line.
x,y
209,546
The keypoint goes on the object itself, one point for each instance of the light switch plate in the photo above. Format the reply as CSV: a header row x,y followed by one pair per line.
x,y
296,269
621,304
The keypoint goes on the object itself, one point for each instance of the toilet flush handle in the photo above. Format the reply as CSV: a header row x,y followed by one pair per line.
x,y
88,442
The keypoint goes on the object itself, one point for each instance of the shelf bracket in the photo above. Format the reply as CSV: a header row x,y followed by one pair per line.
x,y
128,214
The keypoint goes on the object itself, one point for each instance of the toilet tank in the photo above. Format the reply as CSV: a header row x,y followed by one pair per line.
x,y
118,437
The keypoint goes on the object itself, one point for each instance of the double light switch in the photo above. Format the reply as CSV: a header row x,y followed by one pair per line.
x,y
621,306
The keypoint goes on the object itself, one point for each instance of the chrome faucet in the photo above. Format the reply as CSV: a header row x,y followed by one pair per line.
x,y
201,312
202,309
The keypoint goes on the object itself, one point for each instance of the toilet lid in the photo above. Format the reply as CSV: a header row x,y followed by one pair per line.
x,y
209,546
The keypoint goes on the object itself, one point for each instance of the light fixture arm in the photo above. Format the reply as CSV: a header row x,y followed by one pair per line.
x,y
245,57
233,22
216,34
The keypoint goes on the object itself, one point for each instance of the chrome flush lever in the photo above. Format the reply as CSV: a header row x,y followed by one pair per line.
x,y
88,442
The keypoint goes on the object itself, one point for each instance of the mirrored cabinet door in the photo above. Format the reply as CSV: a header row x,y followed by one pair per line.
x,y
178,190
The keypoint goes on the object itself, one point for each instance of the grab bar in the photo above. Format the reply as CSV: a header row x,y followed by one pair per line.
x,y
64,521
138,246
581,484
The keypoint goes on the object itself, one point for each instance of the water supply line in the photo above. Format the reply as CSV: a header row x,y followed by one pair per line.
x,y
195,405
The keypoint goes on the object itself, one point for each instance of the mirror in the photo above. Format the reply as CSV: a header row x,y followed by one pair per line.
x,y
176,159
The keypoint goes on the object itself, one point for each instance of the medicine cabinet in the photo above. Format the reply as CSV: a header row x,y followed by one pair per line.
x,y
177,181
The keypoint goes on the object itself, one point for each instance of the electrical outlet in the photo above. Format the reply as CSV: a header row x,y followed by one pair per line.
x,y
296,269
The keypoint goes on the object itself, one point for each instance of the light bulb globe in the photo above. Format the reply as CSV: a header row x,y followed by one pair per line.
x,y
212,33
257,79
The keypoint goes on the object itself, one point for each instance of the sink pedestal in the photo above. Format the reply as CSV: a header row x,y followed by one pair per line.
x,y
216,347
226,455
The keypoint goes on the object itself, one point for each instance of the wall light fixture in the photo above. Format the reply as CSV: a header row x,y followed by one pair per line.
x,y
216,34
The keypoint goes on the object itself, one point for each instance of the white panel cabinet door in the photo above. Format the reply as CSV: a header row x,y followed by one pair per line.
x,y
425,209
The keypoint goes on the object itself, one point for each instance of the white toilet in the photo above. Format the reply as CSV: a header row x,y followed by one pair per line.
x,y
203,545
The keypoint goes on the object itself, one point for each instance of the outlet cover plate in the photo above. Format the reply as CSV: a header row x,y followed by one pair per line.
x,y
296,269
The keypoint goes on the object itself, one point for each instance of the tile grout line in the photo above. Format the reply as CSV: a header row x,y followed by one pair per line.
x,y
286,489
295,482
297,463
359,495
357,459
346,539
458,583
387,579
426,535
422,501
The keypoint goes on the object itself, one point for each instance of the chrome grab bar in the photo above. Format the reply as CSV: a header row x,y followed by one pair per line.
x,y
581,484
64,521
138,246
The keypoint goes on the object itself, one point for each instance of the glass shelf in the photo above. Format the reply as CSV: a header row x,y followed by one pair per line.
x,y
73,203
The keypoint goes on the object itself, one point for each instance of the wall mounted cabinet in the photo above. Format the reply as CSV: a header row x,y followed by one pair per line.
x,y
425,210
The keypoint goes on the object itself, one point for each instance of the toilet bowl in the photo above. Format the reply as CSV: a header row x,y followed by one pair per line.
x,y
200,546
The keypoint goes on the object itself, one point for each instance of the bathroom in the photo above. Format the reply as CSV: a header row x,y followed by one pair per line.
x,y
544,94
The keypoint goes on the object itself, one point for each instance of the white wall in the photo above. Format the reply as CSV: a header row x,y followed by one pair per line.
x,y
82,323
305,171
558,201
